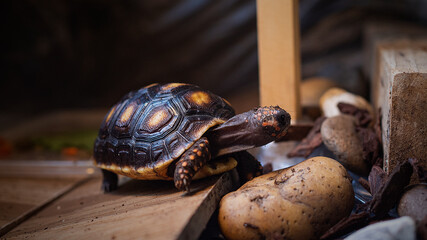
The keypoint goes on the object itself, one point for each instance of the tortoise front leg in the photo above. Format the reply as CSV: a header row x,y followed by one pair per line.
x,y
109,181
191,162
248,166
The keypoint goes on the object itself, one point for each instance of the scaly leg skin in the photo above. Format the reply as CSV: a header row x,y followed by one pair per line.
x,y
109,181
248,166
191,162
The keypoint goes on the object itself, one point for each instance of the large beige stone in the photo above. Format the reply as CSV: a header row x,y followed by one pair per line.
x,y
339,135
330,99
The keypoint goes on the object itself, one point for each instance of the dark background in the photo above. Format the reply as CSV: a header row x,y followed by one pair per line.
x,y
87,54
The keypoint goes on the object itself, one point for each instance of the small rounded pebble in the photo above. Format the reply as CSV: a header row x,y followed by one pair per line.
x,y
414,202
339,136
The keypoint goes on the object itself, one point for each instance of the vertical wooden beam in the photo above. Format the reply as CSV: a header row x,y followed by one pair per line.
x,y
279,54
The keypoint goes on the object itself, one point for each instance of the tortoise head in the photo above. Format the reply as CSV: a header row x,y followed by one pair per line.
x,y
271,121
251,129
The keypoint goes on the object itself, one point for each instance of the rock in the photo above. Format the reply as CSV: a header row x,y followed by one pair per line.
x,y
414,202
398,229
331,98
339,136
299,202
313,88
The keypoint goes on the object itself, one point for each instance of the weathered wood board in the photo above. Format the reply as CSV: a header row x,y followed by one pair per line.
x,y
401,93
380,34
138,210
20,198
28,186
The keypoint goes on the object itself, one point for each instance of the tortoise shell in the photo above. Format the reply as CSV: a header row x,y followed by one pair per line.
x,y
150,128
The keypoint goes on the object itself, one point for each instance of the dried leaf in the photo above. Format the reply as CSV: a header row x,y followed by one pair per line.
x,y
361,115
419,170
309,143
347,225
365,184
377,178
370,144
389,194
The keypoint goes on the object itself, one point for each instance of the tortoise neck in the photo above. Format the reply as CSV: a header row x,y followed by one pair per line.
x,y
237,134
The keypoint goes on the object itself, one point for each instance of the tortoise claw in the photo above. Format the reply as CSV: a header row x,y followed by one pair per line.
x,y
108,187
186,185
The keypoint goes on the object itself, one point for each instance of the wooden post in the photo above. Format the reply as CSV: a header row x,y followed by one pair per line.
x,y
279,54
401,94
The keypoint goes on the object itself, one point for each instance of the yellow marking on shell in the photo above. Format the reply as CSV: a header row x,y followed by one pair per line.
x,y
127,114
200,98
126,169
143,173
225,100
172,85
157,117
151,85
111,113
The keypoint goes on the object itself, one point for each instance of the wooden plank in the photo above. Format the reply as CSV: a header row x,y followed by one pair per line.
x,y
20,198
47,169
401,94
279,54
138,210
28,186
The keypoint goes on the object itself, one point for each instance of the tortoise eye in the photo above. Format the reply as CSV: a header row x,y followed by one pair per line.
x,y
282,118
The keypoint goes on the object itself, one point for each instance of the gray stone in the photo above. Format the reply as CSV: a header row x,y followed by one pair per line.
x,y
398,229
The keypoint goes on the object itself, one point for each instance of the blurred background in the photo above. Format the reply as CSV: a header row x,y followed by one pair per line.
x,y
64,55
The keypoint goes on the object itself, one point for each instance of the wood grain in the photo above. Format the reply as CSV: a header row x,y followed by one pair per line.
x,y
47,169
20,198
279,54
400,93
138,210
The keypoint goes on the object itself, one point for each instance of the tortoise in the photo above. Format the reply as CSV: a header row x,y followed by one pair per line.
x,y
172,131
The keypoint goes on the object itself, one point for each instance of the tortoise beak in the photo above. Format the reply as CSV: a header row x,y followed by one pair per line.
x,y
283,119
